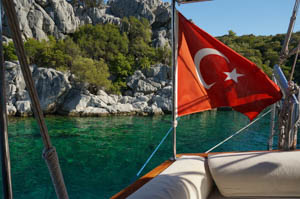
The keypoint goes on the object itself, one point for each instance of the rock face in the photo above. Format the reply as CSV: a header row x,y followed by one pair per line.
x,y
58,92
150,93
51,86
41,18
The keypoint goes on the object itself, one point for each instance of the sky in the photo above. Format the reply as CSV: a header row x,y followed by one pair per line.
x,y
258,17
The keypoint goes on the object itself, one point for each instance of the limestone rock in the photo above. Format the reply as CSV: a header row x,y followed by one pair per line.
x,y
140,106
63,16
22,95
137,8
96,102
161,39
23,108
161,102
123,108
14,75
11,110
153,110
132,80
158,73
144,87
94,111
74,103
104,97
51,86
39,18
126,99
163,16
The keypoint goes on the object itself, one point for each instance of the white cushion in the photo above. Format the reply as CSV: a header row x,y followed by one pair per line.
x,y
215,194
187,178
257,173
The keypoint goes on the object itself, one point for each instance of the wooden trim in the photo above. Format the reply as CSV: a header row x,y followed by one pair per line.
x,y
156,171
143,180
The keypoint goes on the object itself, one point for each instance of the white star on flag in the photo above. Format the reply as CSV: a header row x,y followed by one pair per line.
x,y
233,75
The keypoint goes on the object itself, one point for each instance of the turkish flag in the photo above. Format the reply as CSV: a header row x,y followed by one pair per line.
x,y
210,74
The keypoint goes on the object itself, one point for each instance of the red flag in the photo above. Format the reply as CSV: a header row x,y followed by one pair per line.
x,y
210,74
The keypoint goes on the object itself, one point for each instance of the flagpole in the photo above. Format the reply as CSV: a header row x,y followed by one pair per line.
x,y
5,157
174,79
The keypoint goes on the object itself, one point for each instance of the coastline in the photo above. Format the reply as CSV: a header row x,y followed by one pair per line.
x,y
148,93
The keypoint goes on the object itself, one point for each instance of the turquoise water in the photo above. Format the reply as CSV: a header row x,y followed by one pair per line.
x,y
100,156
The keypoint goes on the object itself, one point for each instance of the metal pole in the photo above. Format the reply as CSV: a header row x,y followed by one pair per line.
x,y
174,79
272,126
285,50
5,157
49,153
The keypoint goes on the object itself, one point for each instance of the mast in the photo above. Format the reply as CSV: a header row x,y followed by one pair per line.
x,y
288,122
5,157
285,51
174,79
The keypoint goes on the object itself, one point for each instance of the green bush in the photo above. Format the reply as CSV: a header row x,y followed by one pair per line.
x,y
9,52
91,71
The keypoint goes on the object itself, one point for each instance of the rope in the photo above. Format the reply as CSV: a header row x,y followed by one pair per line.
x,y
295,61
50,156
239,131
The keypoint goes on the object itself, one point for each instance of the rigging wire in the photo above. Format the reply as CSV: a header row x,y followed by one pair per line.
x,y
152,154
238,132
295,61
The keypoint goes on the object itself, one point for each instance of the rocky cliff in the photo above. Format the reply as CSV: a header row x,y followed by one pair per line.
x,y
149,93
40,18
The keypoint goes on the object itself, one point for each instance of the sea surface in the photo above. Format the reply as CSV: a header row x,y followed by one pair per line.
x,y
100,156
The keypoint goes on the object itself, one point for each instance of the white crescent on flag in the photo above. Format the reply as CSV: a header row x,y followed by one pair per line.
x,y
197,60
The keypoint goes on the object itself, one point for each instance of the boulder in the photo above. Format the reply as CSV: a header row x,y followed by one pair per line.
x,y
137,8
140,106
141,98
158,73
22,95
166,92
133,79
51,86
161,102
94,111
96,102
144,87
126,99
11,110
153,110
14,75
104,97
161,39
74,103
11,93
23,108
123,108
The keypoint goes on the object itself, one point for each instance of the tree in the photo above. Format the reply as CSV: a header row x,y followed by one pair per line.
x,y
94,72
